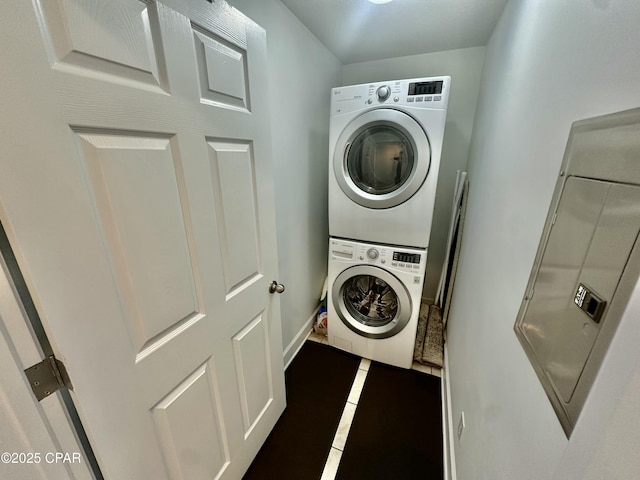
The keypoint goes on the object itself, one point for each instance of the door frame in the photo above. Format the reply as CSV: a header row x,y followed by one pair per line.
x,y
20,321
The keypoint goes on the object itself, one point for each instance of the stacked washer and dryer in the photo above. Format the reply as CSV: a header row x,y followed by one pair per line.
x,y
384,155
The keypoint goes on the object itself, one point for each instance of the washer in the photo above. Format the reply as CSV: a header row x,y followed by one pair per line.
x,y
374,299
384,156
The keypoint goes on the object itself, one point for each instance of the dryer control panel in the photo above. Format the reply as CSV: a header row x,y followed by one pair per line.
x,y
426,88
430,93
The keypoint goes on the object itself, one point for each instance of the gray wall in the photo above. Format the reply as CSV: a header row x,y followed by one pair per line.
x,y
301,73
465,68
548,64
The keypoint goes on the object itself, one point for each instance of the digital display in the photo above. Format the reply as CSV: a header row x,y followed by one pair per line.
x,y
406,257
425,88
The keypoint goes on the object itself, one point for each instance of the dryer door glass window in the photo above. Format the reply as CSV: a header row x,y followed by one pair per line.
x,y
370,300
380,159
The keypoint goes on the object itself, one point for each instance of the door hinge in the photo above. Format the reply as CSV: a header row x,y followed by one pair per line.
x,y
47,377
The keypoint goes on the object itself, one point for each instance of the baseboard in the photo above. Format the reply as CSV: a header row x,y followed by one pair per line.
x,y
428,301
447,422
296,344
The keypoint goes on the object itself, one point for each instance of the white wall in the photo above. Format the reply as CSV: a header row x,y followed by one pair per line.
x,y
465,68
548,64
301,73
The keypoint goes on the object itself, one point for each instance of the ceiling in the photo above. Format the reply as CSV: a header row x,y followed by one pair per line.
x,y
359,31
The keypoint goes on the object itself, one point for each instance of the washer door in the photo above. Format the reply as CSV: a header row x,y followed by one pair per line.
x,y
382,158
371,301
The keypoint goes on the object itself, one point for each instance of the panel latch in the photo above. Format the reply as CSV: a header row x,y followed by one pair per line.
x,y
589,302
47,377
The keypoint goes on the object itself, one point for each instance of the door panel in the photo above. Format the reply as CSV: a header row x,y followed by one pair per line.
x,y
614,234
138,199
251,351
194,448
234,186
558,275
570,308
221,70
125,45
142,216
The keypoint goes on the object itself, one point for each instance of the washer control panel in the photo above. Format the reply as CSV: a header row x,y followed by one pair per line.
x,y
391,258
383,93
410,261
339,249
405,257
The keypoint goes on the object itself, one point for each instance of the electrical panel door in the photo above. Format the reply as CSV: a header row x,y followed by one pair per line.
x,y
587,260
595,228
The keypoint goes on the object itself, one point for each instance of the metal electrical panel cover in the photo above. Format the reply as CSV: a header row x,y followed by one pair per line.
x,y
587,261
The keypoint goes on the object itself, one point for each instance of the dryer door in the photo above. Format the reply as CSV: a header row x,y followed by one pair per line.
x,y
382,158
371,301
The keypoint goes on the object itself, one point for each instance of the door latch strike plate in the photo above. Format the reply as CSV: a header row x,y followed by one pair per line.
x,y
47,377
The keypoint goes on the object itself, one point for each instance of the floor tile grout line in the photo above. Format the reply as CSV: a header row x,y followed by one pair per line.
x,y
335,454
331,466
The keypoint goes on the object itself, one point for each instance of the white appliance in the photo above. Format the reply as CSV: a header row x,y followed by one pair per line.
x,y
385,141
374,299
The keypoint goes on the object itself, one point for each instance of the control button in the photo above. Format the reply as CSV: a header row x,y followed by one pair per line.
x,y
383,261
383,92
401,264
369,101
372,253
427,99
396,99
410,99
394,264
419,99
437,98
416,267
361,257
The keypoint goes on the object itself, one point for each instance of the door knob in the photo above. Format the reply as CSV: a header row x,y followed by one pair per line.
x,y
275,287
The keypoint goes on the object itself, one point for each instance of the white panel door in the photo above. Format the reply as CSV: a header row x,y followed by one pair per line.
x,y
135,187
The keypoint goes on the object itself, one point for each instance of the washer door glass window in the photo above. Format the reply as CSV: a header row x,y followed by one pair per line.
x,y
370,300
380,159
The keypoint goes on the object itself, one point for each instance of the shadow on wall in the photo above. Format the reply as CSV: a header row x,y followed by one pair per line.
x,y
303,227
318,201
455,149
318,180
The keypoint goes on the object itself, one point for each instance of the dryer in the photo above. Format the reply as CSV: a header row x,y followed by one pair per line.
x,y
374,299
384,156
